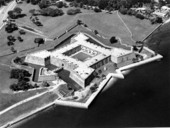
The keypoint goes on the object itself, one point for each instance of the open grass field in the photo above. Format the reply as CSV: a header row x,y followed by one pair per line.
x,y
107,25
139,28
27,107
19,46
8,99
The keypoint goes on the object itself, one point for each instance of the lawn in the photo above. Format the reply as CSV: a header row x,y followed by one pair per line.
x,y
106,24
81,56
19,46
139,28
8,99
27,107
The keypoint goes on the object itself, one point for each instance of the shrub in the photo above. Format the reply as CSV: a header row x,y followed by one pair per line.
x,y
97,10
73,11
123,11
10,43
60,4
51,12
22,32
113,40
96,32
140,16
11,38
11,27
20,39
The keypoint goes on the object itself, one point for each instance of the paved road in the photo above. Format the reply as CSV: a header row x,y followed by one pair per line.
x,y
4,12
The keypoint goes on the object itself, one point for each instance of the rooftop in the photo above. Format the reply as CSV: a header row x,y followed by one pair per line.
x,y
42,54
120,52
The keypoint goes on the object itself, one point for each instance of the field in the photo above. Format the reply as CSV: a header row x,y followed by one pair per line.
x,y
81,56
28,107
19,46
139,28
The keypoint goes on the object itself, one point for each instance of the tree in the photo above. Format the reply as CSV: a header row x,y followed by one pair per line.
x,y
140,45
73,11
18,60
11,38
10,43
35,2
22,32
123,10
39,41
96,32
11,27
79,22
103,4
18,10
97,10
20,39
140,16
113,40
51,12
43,4
13,50
59,4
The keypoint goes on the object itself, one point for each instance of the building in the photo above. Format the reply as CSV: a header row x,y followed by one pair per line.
x,y
81,58
39,58
120,55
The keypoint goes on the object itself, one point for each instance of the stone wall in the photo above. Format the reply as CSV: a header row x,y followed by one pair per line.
x,y
35,60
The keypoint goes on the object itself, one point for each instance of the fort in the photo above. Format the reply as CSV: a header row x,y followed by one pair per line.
x,y
81,58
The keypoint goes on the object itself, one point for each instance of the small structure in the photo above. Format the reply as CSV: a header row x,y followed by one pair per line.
x,y
120,55
39,58
45,75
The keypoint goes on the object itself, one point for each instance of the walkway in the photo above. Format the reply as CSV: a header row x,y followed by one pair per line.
x,y
131,35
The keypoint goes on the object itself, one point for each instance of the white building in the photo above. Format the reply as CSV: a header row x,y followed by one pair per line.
x,y
70,57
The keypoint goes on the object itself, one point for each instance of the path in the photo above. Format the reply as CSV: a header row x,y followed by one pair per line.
x,y
131,35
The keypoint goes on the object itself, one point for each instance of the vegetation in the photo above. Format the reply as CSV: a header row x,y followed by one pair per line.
x,y
4,2
113,40
73,11
39,41
11,27
16,13
51,12
23,80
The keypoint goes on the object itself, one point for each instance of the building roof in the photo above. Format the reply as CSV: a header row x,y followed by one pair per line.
x,y
118,52
42,54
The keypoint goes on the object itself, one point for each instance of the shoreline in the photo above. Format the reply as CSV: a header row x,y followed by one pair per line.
x,y
27,115
85,105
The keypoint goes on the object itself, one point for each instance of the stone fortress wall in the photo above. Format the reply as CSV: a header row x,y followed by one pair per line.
x,y
80,72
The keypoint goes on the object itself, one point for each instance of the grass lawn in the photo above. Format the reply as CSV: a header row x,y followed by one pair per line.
x,y
139,28
27,107
5,81
107,25
81,56
8,99
19,46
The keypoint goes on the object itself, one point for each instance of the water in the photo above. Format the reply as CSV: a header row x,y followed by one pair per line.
x,y
142,99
